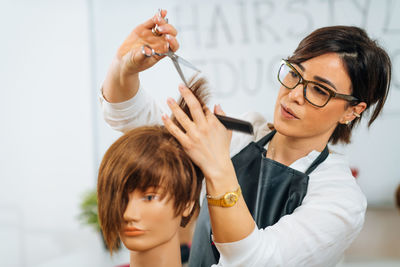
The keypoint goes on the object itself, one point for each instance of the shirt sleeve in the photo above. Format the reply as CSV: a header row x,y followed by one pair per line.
x,y
315,234
140,110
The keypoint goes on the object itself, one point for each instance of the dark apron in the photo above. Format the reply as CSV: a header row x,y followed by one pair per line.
x,y
270,190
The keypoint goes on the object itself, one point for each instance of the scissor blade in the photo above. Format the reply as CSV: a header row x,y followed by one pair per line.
x,y
179,70
186,63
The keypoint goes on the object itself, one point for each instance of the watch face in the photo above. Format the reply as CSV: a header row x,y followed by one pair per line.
x,y
230,199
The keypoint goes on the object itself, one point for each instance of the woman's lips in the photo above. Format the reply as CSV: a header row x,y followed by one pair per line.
x,y
133,231
288,113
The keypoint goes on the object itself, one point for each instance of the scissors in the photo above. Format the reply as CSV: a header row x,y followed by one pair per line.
x,y
175,59
228,122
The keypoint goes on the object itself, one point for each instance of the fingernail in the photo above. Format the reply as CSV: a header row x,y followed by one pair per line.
x,y
181,87
168,37
170,100
164,116
159,15
160,28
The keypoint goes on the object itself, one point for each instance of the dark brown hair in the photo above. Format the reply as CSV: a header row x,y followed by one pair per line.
x,y
367,64
144,157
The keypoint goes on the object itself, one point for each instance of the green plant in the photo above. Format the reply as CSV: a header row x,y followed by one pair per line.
x,y
88,214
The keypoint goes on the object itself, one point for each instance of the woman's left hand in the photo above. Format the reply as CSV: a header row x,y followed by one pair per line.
x,y
206,140
207,143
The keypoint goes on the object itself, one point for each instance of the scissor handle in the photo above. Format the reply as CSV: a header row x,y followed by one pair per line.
x,y
145,53
169,53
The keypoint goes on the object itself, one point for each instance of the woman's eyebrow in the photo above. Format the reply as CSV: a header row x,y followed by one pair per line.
x,y
318,78
301,67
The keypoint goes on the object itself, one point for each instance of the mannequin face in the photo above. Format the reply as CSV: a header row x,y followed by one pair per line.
x,y
306,120
149,221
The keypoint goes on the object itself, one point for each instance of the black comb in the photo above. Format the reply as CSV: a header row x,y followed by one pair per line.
x,y
235,124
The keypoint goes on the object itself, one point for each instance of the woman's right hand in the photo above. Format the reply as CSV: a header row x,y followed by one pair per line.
x,y
122,80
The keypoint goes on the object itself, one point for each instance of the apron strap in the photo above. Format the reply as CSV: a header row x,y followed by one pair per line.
x,y
321,157
263,141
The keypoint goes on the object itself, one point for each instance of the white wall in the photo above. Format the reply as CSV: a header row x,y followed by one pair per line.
x,y
53,58
46,118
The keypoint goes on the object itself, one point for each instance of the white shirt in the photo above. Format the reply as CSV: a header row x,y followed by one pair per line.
x,y
315,234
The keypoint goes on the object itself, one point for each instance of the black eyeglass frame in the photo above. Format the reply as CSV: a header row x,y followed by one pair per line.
x,y
304,82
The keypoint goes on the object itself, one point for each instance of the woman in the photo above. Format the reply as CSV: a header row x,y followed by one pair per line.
x,y
147,188
283,199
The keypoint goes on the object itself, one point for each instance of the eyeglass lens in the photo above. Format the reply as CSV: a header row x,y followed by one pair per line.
x,y
314,93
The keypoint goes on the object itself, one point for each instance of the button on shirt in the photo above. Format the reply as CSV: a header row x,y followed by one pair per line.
x,y
315,234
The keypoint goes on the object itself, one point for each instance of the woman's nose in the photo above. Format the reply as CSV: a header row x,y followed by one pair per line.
x,y
297,95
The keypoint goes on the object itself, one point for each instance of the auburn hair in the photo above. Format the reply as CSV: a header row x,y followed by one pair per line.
x,y
147,156
367,64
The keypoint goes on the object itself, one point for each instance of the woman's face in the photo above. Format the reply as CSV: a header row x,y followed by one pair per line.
x,y
295,117
149,221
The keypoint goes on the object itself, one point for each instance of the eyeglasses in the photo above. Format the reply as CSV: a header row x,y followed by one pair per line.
x,y
315,93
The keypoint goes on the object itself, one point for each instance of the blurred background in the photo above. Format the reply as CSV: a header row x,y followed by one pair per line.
x,y
54,56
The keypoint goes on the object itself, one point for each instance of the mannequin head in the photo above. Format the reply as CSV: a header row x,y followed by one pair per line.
x,y
147,186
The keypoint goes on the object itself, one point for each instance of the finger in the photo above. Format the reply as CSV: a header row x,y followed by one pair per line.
x,y
167,29
180,115
158,43
173,43
135,61
211,117
164,13
156,19
196,110
160,17
218,110
175,131
150,23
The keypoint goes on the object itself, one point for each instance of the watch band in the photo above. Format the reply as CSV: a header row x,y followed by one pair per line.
x,y
229,199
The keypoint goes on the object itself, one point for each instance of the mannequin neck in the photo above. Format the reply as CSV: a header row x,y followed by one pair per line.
x,y
164,255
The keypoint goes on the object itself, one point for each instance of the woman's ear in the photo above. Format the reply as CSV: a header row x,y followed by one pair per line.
x,y
353,112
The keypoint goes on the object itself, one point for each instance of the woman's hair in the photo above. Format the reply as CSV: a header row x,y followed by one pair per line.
x,y
144,157
367,65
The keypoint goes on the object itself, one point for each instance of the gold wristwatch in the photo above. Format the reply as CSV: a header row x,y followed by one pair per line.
x,y
227,200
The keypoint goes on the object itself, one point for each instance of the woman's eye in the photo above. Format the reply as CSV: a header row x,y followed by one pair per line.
x,y
320,91
293,74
